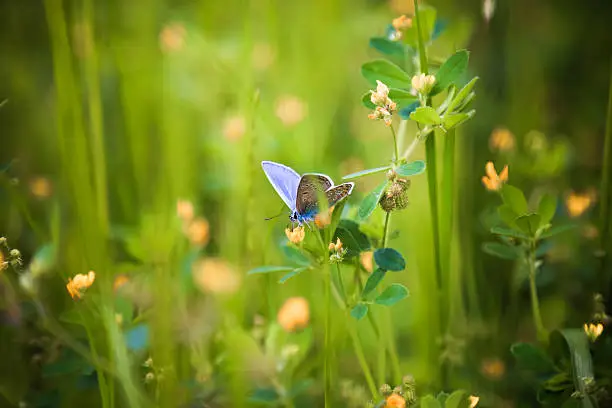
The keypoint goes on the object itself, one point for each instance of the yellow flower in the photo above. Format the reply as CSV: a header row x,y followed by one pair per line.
x,y
502,140
198,232
367,260
337,247
77,285
184,210
577,204
381,113
402,22
234,128
120,280
216,276
492,181
294,314
422,83
323,220
593,331
295,235
40,187
493,369
291,110
474,401
384,106
172,37
395,401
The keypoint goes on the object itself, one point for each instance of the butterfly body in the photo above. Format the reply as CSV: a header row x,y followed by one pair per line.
x,y
301,193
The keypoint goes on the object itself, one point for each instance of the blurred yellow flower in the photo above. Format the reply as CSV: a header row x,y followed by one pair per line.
x,y
120,280
172,37
184,210
593,331
198,232
474,401
493,368
234,128
367,260
215,275
492,181
422,83
577,204
323,220
294,314
395,401
402,22
77,285
291,110
335,247
40,187
295,235
502,140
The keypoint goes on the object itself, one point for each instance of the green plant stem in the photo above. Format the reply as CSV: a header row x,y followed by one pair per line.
x,y
395,146
535,303
361,358
327,362
386,229
421,44
604,212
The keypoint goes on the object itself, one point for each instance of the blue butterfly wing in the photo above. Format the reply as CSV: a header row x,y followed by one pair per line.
x,y
284,180
309,188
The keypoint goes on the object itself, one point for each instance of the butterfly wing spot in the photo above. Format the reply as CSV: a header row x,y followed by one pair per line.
x,y
339,193
311,185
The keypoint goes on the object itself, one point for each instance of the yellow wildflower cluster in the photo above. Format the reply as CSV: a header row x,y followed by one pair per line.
x,y
400,24
77,285
422,83
197,229
593,331
492,181
385,107
578,203
295,235
294,314
502,140
395,401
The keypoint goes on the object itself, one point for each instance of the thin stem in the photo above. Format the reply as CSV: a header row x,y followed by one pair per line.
x,y
535,303
421,44
327,357
395,146
362,360
604,213
386,229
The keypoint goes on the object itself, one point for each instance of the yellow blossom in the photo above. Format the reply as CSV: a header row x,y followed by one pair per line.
x,y
422,83
295,235
395,401
381,113
291,110
502,140
577,203
184,210
337,247
367,260
120,280
294,314
593,331
77,285
216,276
492,181
198,232
474,401
40,187
234,128
493,369
172,37
402,22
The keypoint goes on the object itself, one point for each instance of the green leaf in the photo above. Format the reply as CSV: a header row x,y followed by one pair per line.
x,y
264,396
351,236
429,401
426,115
402,97
295,256
501,251
373,280
529,223
366,101
385,72
546,208
411,169
389,259
532,358
450,71
458,399
462,95
557,229
507,216
359,311
367,172
508,232
392,295
268,269
370,201
388,47
514,198
578,349
291,274
452,120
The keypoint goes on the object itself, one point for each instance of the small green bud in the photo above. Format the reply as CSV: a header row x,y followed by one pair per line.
x,y
396,196
385,390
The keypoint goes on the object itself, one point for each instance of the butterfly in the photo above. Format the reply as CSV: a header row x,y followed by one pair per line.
x,y
301,193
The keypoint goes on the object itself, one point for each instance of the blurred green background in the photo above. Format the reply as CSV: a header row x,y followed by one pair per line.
x,y
117,109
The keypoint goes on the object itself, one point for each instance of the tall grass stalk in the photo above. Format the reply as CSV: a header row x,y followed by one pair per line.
x,y
604,212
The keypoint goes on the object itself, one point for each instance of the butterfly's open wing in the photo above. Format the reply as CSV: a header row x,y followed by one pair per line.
x,y
311,185
338,193
284,180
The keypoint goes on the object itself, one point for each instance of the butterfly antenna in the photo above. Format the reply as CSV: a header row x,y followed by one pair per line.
x,y
276,216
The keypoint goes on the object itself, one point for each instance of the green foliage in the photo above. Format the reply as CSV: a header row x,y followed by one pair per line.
x,y
389,259
359,311
386,72
391,295
369,203
426,115
411,169
451,70
373,281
